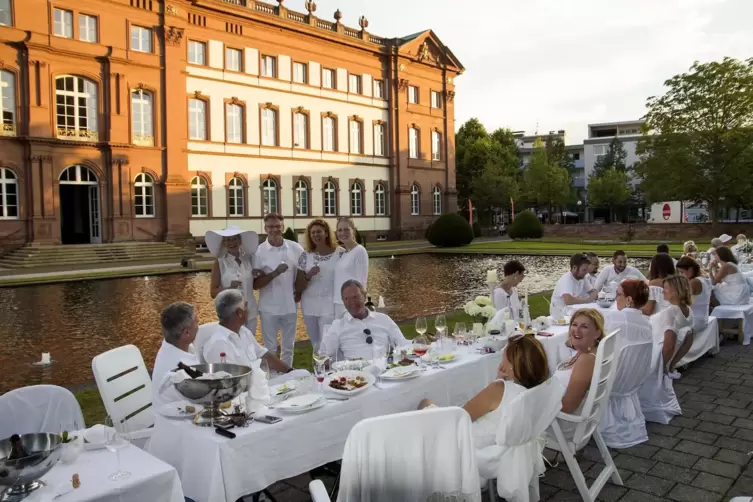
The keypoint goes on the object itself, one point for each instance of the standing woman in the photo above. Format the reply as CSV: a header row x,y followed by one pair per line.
x,y
316,279
662,266
233,249
353,263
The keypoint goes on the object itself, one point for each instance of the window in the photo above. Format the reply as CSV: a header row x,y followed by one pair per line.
x,y
76,108
436,102
235,197
268,66
5,13
142,122
355,137
87,28
63,23
379,88
269,128
300,130
437,197
328,78
144,190
413,142
356,199
141,39
197,119
300,73
301,198
269,197
8,194
330,199
354,84
576,156
199,194
600,151
8,103
412,94
234,59
436,145
197,52
328,134
379,139
380,200
415,200
234,121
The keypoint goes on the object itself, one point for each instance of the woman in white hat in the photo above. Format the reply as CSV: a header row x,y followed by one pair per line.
x,y
233,249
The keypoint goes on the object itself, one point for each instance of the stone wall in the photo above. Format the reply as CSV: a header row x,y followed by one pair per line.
x,y
699,232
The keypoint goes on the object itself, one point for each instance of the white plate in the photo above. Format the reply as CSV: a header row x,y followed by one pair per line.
x,y
401,373
455,357
350,374
355,365
178,409
302,404
285,388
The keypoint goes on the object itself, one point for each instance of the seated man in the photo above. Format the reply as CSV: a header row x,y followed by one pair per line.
x,y
360,329
617,272
593,269
179,327
506,295
572,288
664,248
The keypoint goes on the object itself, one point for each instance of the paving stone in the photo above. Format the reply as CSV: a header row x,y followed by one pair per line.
x,y
636,496
712,482
717,467
686,493
559,478
705,398
726,380
644,450
689,380
743,423
667,442
611,493
684,389
687,423
699,449
697,436
631,463
732,457
546,492
715,384
743,487
665,430
676,458
673,472
740,396
592,453
708,391
694,404
735,412
734,443
723,430
713,417
566,496
650,484
730,373
690,412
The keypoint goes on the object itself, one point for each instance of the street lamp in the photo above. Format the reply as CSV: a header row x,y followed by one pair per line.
x,y
580,203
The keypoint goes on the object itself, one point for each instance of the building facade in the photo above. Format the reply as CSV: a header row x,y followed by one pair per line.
x,y
158,120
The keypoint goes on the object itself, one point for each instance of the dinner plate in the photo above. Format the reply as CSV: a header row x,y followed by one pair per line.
x,y
401,373
177,409
302,404
368,378
285,388
448,358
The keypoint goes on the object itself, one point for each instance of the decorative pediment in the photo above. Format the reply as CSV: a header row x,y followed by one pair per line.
x,y
425,47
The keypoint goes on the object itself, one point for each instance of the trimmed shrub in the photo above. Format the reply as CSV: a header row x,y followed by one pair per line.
x,y
476,229
290,235
450,230
526,226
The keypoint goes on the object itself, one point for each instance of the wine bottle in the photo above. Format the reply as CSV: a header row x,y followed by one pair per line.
x,y
17,449
391,356
370,304
193,373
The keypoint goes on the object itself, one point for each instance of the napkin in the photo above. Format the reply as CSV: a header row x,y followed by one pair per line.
x,y
172,378
96,434
258,392
542,322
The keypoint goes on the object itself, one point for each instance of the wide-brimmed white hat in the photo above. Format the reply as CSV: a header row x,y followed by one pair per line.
x,y
249,239
725,238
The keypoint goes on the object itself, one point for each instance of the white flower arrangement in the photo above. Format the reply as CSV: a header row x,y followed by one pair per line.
x,y
481,306
541,323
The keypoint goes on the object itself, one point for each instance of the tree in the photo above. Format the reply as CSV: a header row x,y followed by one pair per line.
x,y
471,151
614,158
701,149
546,183
558,154
498,181
609,189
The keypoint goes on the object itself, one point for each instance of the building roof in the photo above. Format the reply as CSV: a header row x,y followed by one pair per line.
x,y
614,124
428,36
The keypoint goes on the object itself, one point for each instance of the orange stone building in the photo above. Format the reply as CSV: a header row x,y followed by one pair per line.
x,y
151,120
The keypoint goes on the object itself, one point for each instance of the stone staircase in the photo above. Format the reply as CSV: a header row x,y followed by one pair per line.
x,y
87,255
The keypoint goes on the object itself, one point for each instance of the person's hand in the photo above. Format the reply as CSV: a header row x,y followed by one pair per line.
x,y
593,295
235,284
311,273
256,273
281,268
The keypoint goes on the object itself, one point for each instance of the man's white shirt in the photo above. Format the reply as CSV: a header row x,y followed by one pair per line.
x,y
239,348
277,297
609,274
166,361
569,285
502,300
347,335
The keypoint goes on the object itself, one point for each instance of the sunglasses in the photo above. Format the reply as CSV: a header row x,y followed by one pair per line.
x,y
369,339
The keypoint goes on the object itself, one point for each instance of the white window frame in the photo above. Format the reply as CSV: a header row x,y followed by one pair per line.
x,y
413,94
142,117
87,28
329,78
300,130
356,199
197,120
330,199
300,73
200,191
301,198
7,103
413,142
270,201
436,145
6,13
269,66
236,198
141,39
600,151
379,89
356,129
234,120
354,84
89,94
63,23
436,100
197,52
143,188
379,146
269,127
7,179
437,198
415,200
380,200
329,134
233,59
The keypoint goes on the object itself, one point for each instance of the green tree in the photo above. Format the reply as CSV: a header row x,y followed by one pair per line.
x,y
546,184
614,158
498,181
558,154
703,131
472,146
609,189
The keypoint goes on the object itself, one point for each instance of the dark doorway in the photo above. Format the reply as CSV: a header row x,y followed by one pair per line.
x,y
75,223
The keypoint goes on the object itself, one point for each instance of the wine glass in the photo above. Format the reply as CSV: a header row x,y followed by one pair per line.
x,y
319,372
460,332
421,326
115,441
267,375
440,324
420,346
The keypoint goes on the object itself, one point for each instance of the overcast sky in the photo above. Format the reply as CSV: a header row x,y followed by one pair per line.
x,y
561,64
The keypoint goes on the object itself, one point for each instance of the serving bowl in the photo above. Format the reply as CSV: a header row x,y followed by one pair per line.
x,y
210,393
23,474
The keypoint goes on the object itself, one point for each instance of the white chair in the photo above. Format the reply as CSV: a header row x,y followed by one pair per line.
x,y
126,389
742,315
657,394
704,342
39,408
205,332
623,424
418,456
587,423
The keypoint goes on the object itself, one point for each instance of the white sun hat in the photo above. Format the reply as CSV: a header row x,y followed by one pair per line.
x,y
249,239
725,238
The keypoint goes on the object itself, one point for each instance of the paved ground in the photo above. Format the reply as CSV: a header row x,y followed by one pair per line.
x,y
702,456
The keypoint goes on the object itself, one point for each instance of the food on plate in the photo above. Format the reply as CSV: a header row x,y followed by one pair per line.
x,y
226,405
446,357
190,409
343,383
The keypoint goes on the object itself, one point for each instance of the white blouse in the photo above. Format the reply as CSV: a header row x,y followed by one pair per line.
x,y
317,298
231,271
353,264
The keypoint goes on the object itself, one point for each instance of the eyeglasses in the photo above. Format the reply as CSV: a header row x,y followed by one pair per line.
x,y
369,339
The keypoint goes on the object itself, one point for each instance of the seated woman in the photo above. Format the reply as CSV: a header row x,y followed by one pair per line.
x,y
730,286
690,249
632,295
701,288
662,266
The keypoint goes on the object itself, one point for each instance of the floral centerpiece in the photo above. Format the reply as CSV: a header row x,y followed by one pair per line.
x,y
480,308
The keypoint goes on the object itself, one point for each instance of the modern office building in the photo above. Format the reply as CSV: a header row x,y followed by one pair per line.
x,y
601,135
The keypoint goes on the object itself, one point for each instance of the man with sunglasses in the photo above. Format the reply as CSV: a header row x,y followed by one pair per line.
x,y
572,289
359,330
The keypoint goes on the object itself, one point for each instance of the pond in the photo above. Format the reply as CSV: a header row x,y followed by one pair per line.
x,y
78,320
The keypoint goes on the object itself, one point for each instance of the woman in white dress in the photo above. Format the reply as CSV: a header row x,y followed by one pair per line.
x,y
701,288
690,249
233,250
315,280
662,266
353,262
730,286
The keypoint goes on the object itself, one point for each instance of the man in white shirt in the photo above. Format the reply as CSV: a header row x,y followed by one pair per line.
x,y
179,327
356,333
506,295
277,258
593,269
572,289
617,272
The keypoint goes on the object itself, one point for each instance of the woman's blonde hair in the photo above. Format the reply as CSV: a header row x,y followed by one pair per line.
x,y
689,247
681,285
327,231
741,238
528,359
593,315
349,221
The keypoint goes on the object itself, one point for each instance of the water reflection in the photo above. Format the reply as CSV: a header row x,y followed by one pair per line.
x,y
76,321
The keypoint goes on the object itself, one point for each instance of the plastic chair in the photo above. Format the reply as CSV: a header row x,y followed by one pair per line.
x,y
318,491
587,423
39,408
126,389
205,332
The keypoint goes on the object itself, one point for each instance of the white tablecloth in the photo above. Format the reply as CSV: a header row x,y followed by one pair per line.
x,y
554,346
213,468
151,479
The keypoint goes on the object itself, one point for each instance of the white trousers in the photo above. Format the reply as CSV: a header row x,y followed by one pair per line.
x,y
315,326
270,325
340,310
251,325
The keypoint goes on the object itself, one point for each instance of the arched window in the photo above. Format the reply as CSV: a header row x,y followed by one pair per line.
x,y
269,127
8,103
437,197
413,143
269,197
79,175
142,118
76,108
144,189
356,145
8,194
415,200
329,134
234,121
199,197
197,119
301,198
236,199
300,130
356,199
380,200
330,199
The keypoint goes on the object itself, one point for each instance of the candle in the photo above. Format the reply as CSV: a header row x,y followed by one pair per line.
x,y
46,359
491,276
526,295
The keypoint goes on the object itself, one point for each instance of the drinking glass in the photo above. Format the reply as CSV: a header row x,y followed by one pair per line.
x,y
267,374
440,324
379,355
460,332
319,372
420,346
115,441
421,326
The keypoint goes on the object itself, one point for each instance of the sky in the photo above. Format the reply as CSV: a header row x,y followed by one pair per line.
x,y
541,65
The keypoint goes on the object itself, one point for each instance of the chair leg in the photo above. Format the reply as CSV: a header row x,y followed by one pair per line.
x,y
740,331
492,490
572,464
616,479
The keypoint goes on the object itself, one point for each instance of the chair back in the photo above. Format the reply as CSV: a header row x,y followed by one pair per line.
x,y
530,413
39,408
125,386
633,369
205,332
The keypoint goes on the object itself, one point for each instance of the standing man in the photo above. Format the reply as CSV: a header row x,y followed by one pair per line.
x,y
617,272
276,258
572,288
